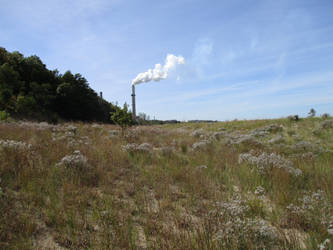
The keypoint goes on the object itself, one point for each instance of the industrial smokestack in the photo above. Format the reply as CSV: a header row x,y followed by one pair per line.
x,y
158,73
133,102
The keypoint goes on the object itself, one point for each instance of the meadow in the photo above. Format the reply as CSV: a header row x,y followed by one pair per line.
x,y
260,184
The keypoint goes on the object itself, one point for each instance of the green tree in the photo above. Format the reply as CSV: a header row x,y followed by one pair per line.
x,y
9,79
122,117
42,94
7,101
28,89
3,55
312,113
26,105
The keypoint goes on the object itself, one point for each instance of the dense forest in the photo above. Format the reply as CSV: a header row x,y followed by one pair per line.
x,y
28,90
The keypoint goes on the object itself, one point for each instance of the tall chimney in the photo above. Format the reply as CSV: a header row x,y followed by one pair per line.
x,y
133,102
101,95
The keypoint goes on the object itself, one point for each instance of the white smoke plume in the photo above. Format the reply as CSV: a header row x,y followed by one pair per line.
x,y
159,72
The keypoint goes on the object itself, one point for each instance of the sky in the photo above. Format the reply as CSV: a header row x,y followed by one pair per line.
x,y
243,59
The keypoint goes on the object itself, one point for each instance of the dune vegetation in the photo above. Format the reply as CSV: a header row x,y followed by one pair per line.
x,y
261,184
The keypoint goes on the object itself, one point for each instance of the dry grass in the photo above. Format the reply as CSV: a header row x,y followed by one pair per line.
x,y
170,194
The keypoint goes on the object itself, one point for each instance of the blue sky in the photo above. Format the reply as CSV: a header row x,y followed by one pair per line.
x,y
243,59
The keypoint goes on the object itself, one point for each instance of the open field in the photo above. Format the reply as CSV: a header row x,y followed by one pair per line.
x,y
229,185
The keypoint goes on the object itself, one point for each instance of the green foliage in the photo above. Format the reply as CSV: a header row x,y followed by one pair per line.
x,y
9,78
26,104
29,90
4,115
7,101
122,117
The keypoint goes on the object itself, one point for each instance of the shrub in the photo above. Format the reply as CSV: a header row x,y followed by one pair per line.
x,y
75,160
293,118
325,115
4,115
122,117
77,169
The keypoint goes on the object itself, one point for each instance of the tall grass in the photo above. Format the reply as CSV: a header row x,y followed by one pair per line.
x,y
173,196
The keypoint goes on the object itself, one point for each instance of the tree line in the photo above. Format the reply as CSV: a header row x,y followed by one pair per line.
x,y
28,90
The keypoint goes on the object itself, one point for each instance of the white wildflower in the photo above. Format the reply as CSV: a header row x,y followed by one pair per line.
x,y
219,135
72,129
133,147
259,133
69,134
246,157
312,202
330,226
79,140
35,125
129,147
246,140
277,139
198,133
273,128
95,125
266,162
74,160
304,156
259,191
264,230
145,147
200,145
295,171
296,210
235,207
16,145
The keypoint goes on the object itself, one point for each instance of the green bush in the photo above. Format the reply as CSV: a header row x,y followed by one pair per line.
x,y
4,115
122,117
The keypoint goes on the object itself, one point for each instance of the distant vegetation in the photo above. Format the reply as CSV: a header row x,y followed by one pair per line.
x,y
28,90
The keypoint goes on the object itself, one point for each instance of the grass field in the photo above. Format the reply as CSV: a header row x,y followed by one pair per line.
x,y
229,185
